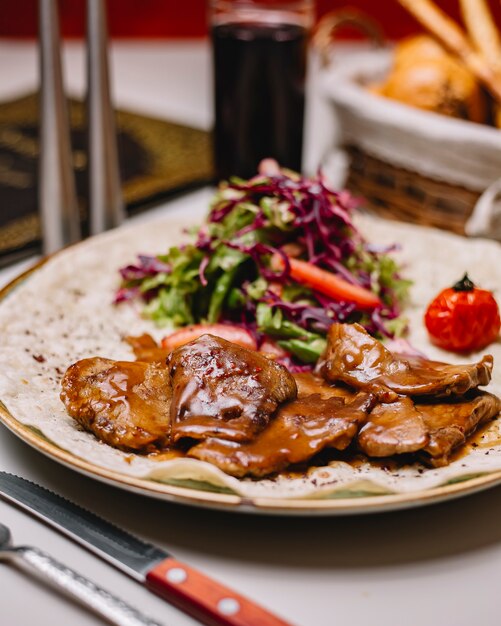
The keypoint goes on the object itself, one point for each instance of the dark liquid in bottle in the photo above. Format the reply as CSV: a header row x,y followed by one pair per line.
x,y
259,89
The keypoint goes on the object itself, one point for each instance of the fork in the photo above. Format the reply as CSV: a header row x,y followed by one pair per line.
x,y
102,602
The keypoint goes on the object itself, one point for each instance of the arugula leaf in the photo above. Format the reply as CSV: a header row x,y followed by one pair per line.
x,y
272,322
297,293
278,212
219,293
172,307
398,326
236,298
241,216
306,351
226,259
257,288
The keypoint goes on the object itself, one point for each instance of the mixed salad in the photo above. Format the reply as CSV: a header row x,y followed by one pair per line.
x,y
276,262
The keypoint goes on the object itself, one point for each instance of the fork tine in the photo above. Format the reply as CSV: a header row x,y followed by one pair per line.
x,y
57,195
105,197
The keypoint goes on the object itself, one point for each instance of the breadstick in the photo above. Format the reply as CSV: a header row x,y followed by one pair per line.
x,y
482,31
450,35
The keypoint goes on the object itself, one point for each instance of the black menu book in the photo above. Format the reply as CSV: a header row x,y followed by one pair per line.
x,y
158,158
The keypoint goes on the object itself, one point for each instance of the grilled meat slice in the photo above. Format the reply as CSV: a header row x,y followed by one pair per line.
x,y
223,390
450,423
394,428
257,419
309,384
357,359
125,404
434,429
146,349
300,429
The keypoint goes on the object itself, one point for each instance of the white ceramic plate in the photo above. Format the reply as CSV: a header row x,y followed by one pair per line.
x,y
61,310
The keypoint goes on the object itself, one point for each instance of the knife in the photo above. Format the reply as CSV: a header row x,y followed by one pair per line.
x,y
183,586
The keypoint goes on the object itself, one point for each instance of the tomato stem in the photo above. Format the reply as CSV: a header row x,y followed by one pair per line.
x,y
465,284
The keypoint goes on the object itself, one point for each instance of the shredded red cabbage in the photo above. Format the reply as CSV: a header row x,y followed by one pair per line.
x,y
276,214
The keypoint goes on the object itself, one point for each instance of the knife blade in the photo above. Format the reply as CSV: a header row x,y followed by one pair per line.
x,y
196,594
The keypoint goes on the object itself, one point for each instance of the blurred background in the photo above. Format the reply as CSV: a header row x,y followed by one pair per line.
x,y
187,19
388,122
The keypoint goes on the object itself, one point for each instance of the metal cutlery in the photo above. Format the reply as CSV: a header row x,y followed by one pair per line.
x,y
191,591
57,195
106,208
102,602
57,192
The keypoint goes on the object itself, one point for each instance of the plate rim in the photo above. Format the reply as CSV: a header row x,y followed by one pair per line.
x,y
233,502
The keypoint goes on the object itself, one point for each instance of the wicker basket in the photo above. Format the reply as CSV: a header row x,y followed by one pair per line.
x,y
401,194
410,164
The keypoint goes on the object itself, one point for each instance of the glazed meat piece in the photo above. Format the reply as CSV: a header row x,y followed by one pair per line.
x,y
450,423
146,349
357,359
125,404
435,429
309,384
394,428
223,390
301,429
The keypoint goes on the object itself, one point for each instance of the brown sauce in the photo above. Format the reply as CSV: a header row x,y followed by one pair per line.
x,y
300,429
124,403
240,412
309,384
146,349
166,454
358,359
482,438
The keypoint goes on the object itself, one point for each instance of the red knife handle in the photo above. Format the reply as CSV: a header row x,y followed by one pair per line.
x,y
205,599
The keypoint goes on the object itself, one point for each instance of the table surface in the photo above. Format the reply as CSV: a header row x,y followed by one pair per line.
x,y
437,565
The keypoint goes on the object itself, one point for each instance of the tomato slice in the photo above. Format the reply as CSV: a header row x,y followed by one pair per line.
x,y
229,332
272,350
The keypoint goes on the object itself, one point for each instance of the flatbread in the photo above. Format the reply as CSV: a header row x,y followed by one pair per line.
x,y
64,312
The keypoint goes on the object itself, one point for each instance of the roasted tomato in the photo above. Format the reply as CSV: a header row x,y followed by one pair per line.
x,y
463,318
